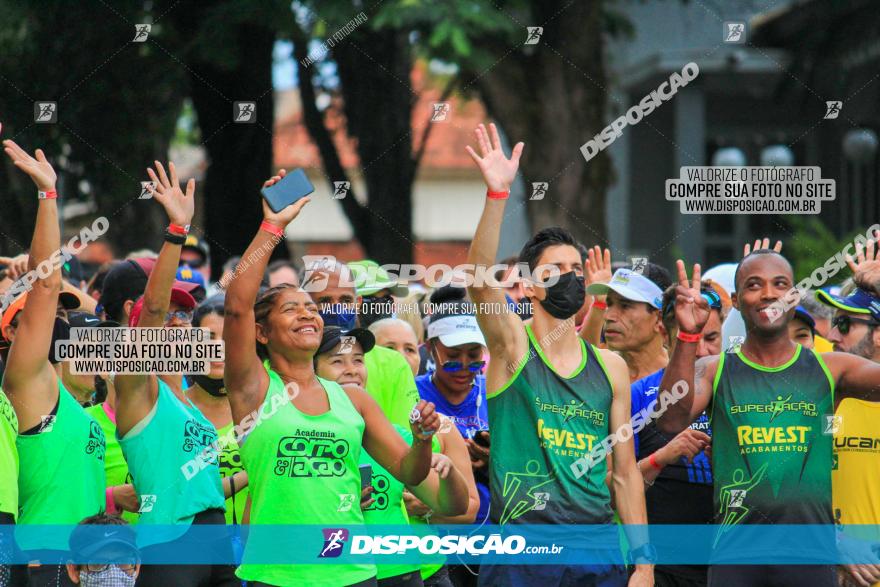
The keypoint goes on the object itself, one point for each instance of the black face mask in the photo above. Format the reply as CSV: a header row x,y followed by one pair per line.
x,y
215,387
60,331
566,296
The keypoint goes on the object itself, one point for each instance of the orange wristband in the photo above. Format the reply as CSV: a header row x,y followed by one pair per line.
x,y
688,337
600,305
653,462
497,195
269,227
50,195
178,229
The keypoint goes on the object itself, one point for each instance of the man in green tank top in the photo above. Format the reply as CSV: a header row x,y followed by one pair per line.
x,y
770,402
552,398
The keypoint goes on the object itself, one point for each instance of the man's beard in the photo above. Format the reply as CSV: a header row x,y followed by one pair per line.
x,y
865,347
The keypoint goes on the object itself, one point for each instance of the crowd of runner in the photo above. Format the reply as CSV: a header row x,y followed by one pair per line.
x,y
462,405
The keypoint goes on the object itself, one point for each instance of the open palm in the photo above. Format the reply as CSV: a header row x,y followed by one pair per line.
x,y
178,205
39,168
498,171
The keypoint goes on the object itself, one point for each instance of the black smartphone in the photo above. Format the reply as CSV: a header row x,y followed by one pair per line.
x,y
293,187
481,438
366,475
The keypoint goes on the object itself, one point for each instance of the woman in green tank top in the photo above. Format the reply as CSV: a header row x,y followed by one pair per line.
x,y
57,441
446,490
167,442
208,393
307,452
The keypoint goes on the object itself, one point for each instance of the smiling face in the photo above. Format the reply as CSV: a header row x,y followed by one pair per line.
x,y
763,282
344,368
459,381
291,324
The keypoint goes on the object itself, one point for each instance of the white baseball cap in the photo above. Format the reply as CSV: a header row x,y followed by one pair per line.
x,y
632,286
456,329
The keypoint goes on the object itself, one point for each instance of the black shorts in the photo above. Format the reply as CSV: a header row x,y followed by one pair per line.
x,y
772,576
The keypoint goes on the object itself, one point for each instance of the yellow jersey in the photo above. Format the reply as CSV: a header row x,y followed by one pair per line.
x,y
856,466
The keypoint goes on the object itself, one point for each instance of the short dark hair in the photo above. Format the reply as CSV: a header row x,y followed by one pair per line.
x,y
542,240
212,305
280,264
753,254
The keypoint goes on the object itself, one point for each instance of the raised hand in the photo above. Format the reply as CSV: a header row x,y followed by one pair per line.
x,y
39,168
15,266
179,206
498,171
691,308
598,267
761,244
441,464
866,267
423,420
286,216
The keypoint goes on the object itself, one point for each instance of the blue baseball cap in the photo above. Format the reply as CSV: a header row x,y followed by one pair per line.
x,y
859,302
187,274
802,313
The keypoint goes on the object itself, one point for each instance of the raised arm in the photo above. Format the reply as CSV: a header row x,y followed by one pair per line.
x,y
408,464
246,379
597,270
504,332
135,396
29,379
691,313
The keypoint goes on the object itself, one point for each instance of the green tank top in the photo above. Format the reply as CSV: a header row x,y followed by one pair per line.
x,y
388,507
312,462
173,473
541,423
230,464
61,475
115,466
8,458
771,461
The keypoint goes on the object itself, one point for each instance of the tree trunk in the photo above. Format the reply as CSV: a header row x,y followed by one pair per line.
x,y
552,96
240,154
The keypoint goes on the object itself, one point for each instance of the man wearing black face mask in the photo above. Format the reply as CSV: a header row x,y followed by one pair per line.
x,y
551,399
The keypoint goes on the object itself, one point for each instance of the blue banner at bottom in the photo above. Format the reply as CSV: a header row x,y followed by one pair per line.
x,y
512,544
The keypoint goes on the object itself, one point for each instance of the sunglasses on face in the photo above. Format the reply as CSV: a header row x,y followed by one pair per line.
x,y
453,366
844,323
194,263
181,315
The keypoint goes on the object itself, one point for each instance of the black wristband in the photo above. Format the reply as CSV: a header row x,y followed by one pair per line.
x,y
174,239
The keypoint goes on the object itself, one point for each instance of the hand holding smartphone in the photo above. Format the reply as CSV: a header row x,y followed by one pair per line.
x,y
290,189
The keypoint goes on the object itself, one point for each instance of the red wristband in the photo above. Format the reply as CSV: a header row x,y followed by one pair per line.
x,y
688,337
497,195
110,505
600,305
50,195
178,229
269,227
654,463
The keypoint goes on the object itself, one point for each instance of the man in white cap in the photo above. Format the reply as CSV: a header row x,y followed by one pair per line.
x,y
633,323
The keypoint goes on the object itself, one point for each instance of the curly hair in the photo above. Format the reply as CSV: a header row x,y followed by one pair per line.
x,y
263,306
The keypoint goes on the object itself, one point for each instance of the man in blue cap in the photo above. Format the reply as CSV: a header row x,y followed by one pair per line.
x,y
854,325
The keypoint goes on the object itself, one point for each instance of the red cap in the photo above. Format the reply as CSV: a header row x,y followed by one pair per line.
x,y
179,296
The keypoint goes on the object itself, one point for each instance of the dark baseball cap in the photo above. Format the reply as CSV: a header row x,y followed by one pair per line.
x,y
194,243
103,543
333,336
87,320
127,280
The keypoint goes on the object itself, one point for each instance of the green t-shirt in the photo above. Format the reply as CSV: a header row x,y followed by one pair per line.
x,y
174,466
114,463
8,458
388,507
61,476
230,464
303,470
392,384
